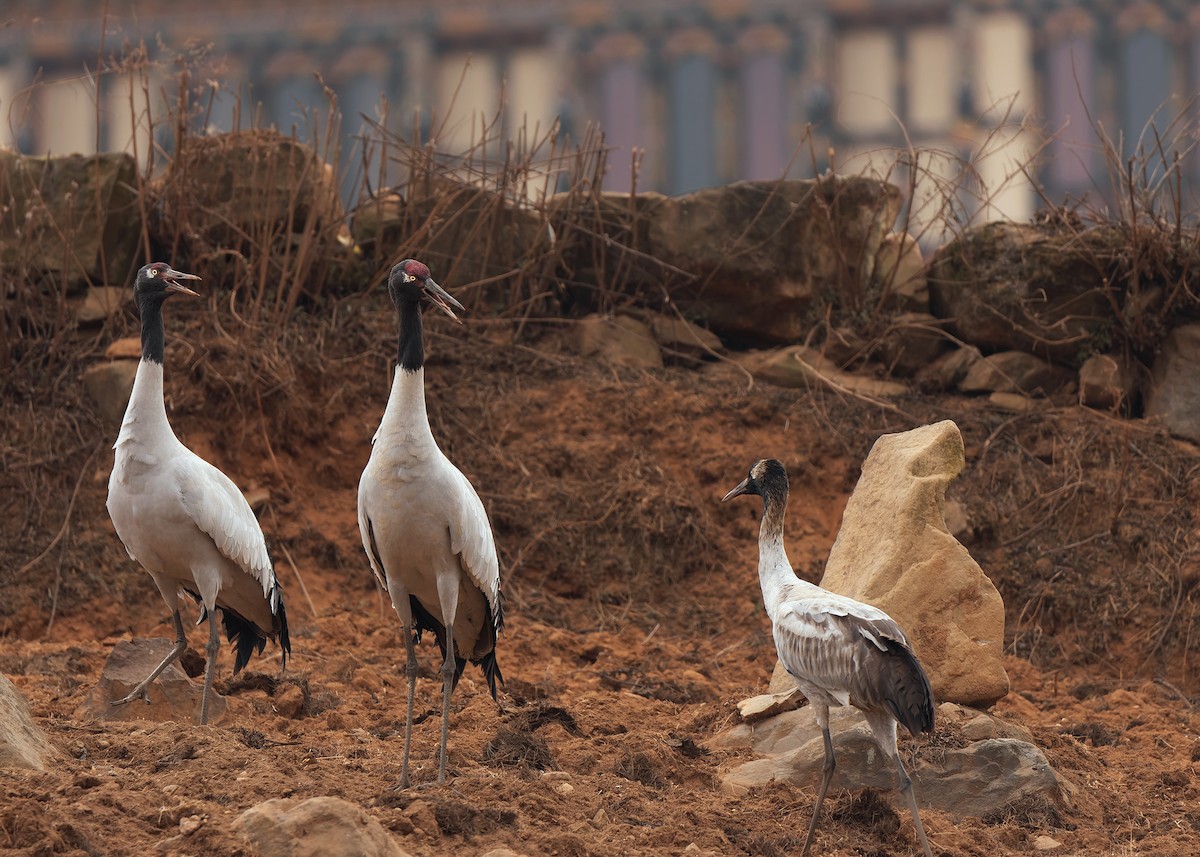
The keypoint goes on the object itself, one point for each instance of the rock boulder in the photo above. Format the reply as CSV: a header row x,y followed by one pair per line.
x,y
894,551
109,385
22,742
317,827
762,253
1174,393
173,696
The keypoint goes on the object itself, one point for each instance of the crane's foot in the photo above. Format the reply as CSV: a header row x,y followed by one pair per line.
x,y
142,691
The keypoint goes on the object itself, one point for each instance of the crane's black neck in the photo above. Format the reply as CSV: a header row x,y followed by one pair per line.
x,y
410,346
150,309
773,487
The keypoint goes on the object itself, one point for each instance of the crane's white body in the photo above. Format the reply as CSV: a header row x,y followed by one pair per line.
x,y
182,519
427,536
431,530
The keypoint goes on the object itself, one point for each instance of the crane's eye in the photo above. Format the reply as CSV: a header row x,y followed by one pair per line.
x,y
154,272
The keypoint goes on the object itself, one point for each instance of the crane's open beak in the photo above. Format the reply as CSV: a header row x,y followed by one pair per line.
x,y
442,298
171,276
742,488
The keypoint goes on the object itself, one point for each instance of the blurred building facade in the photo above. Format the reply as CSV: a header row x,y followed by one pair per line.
x,y
711,92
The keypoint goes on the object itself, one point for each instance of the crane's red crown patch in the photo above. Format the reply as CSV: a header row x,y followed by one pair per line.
x,y
416,269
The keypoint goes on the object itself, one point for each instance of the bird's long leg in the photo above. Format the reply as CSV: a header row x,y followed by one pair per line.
x,y
826,775
447,586
142,689
906,788
212,649
410,670
448,667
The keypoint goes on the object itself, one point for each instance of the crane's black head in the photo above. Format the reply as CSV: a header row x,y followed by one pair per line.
x,y
158,281
768,479
410,282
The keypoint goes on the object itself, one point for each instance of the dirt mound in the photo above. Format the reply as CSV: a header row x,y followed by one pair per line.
x,y
635,617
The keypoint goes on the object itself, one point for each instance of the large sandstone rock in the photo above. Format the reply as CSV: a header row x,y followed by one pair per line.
x,y
72,219
1174,394
762,253
998,765
893,551
22,742
1024,287
173,696
317,827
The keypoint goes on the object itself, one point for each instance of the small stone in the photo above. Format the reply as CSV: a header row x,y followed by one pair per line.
x,y
600,819
1043,842
563,788
317,827
189,824
769,704
692,848
109,385
555,776
1014,402
1014,372
1104,383
127,348
289,701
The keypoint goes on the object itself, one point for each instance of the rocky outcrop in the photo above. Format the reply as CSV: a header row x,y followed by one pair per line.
x,y
173,696
317,827
22,742
800,366
893,551
760,253
1174,393
1022,287
70,220
996,766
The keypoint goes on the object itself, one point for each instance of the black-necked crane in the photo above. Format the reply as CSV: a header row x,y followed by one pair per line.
x,y
424,528
183,520
839,651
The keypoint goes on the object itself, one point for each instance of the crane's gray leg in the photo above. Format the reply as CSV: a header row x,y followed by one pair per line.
x,y
213,647
906,788
826,775
448,667
410,670
142,689
447,586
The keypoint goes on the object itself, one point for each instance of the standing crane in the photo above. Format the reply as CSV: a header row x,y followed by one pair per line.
x,y
424,528
183,520
839,651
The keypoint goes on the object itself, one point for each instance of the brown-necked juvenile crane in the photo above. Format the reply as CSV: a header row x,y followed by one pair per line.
x,y
839,651
424,528
182,519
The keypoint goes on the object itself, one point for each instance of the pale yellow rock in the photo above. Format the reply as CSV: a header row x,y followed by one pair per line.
x,y
23,744
127,347
893,551
621,339
1045,843
768,704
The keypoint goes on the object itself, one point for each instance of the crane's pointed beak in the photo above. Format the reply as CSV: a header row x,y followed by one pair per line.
x,y
742,488
442,299
171,276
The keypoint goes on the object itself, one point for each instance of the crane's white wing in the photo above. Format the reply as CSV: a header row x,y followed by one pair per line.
x,y
218,508
471,538
830,641
366,532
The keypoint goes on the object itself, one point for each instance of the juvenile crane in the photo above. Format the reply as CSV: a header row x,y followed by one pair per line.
x,y
424,528
839,651
182,519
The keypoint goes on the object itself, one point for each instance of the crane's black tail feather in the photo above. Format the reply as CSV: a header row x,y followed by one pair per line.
x,y
423,620
910,698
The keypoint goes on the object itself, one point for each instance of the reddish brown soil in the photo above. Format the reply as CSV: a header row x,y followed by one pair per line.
x,y
634,620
